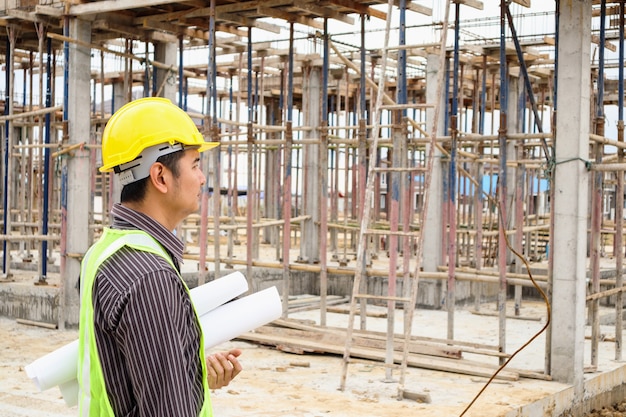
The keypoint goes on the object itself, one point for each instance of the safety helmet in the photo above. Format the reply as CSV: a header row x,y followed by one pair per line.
x,y
143,130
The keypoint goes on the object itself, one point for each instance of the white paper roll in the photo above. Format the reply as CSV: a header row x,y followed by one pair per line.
x,y
219,325
69,391
237,317
215,293
55,368
61,365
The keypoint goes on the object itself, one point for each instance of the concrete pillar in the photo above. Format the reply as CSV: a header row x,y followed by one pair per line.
x,y
514,125
310,242
119,95
166,53
119,98
77,168
571,195
434,224
271,199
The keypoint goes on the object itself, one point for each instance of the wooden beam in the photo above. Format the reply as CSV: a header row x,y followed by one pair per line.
x,y
608,45
248,22
324,12
290,17
417,8
113,6
110,25
476,4
238,7
358,8
160,17
33,17
49,11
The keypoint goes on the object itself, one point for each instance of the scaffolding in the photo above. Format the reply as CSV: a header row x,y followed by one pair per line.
x,y
294,116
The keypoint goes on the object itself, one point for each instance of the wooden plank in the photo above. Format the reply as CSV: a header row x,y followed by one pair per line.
x,y
358,8
363,341
508,316
459,366
51,326
113,6
346,310
608,45
324,12
476,4
457,343
290,17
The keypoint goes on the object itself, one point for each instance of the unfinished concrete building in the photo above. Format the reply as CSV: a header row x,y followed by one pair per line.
x,y
416,154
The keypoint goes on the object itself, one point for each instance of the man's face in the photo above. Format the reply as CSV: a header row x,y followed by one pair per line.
x,y
185,198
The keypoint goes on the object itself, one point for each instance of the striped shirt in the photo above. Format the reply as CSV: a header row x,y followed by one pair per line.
x,y
146,330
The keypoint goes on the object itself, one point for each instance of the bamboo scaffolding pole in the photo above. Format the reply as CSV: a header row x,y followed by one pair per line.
x,y
39,112
157,64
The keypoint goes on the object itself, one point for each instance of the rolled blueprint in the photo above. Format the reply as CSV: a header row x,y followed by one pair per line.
x,y
215,293
53,369
237,317
60,367
219,325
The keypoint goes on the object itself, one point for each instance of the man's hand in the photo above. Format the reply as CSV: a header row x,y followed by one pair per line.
x,y
222,367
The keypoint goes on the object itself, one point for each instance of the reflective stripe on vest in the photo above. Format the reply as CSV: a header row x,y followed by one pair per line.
x,y
93,398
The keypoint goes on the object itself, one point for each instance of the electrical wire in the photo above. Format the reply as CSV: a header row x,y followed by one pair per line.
x,y
543,329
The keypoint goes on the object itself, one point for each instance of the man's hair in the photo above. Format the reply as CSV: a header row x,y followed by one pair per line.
x,y
135,192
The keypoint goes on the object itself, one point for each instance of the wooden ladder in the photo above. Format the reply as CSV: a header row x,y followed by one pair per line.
x,y
410,280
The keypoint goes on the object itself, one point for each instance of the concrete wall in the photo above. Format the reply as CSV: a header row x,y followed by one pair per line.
x,y
40,303
605,389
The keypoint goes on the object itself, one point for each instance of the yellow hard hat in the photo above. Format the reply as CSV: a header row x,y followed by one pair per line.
x,y
145,123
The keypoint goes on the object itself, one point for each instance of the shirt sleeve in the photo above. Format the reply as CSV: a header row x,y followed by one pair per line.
x,y
153,334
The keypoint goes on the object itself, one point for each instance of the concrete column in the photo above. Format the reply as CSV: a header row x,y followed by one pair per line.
x,y
77,168
166,53
119,96
571,195
310,242
118,100
434,225
271,198
514,125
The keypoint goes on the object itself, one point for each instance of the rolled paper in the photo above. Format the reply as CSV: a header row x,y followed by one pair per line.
x,y
215,293
240,316
60,366
55,368
219,324
69,391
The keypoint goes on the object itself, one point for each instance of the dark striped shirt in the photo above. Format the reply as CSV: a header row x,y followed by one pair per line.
x,y
146,330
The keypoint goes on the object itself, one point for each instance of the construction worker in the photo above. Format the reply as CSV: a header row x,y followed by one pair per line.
x,y
141,349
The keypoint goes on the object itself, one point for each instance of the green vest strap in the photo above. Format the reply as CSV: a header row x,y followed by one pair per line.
x,y
93,398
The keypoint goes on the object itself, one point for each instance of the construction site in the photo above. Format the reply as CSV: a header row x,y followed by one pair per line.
x,y
435,187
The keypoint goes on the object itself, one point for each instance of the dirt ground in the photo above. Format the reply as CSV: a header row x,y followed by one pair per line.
x,y
275,383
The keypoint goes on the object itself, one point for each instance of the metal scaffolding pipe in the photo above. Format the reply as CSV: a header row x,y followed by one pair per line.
x,y
450,203
502,180
46,185
619,198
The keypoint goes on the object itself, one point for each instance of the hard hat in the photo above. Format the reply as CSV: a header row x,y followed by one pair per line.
x,y
148,127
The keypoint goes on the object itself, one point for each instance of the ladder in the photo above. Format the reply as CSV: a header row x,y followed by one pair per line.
x,y
359,290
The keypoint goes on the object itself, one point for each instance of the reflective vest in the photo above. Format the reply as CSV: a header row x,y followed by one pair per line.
x,y
93,398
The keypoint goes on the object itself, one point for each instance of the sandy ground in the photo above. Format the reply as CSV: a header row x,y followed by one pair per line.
x,y
275,383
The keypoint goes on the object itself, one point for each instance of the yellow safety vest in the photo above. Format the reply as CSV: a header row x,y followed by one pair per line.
x,y
93,398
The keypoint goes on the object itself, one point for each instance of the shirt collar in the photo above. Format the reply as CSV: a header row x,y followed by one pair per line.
x,y
126,218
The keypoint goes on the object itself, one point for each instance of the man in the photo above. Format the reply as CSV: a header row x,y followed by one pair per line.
x,y
141,350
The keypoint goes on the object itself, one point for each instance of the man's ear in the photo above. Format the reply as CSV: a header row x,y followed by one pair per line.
x,y
159,177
